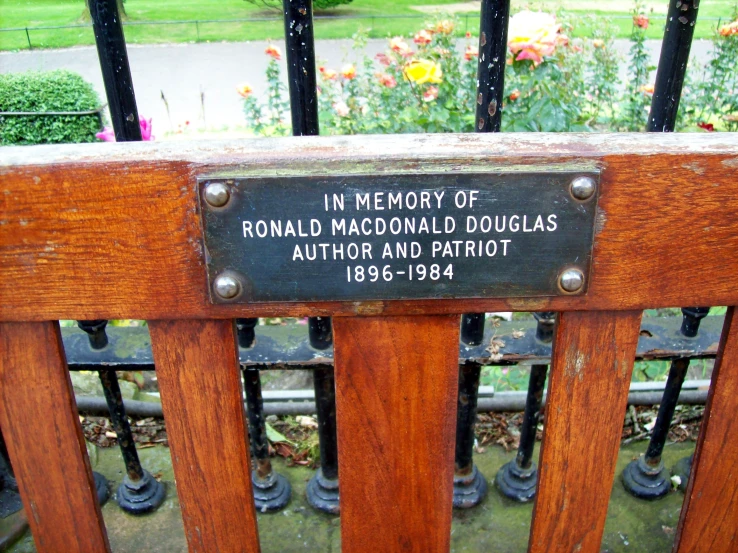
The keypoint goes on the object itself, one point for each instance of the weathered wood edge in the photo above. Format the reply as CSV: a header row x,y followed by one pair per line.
x,y
360,148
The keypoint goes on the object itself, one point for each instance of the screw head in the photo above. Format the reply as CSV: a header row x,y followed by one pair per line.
x,y
571,280
227,286
217,194
583,188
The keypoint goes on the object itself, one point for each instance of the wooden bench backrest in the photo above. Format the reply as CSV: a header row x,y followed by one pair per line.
x,y
113,231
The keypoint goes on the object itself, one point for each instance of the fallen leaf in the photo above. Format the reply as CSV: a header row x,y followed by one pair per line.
x,y
274,436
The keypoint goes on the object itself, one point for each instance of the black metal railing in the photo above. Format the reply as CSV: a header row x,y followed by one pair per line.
x,y
280,347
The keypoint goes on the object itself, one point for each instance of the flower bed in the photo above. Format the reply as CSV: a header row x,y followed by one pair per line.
x,y
552,83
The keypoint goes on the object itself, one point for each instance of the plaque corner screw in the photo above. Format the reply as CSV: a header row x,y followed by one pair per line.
x,y
571,280
583,187
217,194
226,286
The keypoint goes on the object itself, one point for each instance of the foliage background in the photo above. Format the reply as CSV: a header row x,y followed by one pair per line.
x,y
47,91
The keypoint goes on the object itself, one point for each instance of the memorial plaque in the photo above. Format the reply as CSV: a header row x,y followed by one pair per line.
x,y
398,236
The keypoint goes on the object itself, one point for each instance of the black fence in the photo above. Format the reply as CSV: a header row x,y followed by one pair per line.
x,y
468,24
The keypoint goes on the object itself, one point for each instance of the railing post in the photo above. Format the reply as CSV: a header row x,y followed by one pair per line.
x,y
517,479
28,37
245,332
490,92
470,485
680,22
111,49
322,490
139,492
272,491
646,477
98,339
298,35
320,332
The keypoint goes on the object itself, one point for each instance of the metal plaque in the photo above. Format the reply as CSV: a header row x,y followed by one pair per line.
x,y
398,236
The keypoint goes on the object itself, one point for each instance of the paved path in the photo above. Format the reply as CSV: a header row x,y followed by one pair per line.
x,y
199,80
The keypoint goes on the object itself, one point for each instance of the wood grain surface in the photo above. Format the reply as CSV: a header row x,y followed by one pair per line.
x,y
709,520
591,368
122,219
41,427
396,386
201,395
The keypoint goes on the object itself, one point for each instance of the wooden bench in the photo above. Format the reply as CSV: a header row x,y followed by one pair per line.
x,y
115,231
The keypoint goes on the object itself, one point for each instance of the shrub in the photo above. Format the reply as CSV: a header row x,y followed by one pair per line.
x,y
43,92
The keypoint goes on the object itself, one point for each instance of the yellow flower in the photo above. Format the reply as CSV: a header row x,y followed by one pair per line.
x,y
423,71
446,27
244,90
348,71
532,35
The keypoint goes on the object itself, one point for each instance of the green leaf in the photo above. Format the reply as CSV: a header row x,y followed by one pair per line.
x,y
274,436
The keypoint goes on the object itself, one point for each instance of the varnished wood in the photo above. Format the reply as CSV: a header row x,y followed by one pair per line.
x,y
201,393
42,431
709,520
122,219
591,367
396,386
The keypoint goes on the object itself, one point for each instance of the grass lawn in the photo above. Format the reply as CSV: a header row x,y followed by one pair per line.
x,y
365,13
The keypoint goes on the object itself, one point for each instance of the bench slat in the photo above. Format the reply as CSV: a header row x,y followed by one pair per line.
x,y
588,390
396,386
709,521
201,393
40,424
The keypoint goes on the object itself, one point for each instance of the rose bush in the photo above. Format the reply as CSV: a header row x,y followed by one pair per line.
x,y
555,84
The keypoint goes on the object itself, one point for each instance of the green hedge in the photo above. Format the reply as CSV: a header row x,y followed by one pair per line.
x,y
47,91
